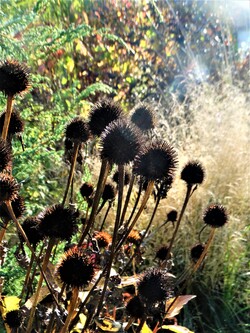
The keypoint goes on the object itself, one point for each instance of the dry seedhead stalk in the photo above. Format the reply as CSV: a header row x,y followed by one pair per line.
x,y
143,116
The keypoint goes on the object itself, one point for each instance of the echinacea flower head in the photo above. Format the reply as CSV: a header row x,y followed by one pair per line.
x,y
196,251
162,253
156,162
8,187
126,177
215,215
134,237
121,142
193,173
18,206
5,155
109,192
14,78
16,125
104,112
77,131
86,190
172,215
31,228
135,308
14,318
76,269
103,238
58,222
143,116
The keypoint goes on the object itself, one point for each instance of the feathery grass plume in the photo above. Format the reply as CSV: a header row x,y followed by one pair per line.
x,y
14,77
103,238
77,131
18,206
172,215
31,228
196,251
215,215
143,116
155,285
162,253
5,155
16,125
104,112
109,192
58,222
8,187
127,177
14,318
121,142
156,161
193,173
134,237
135,308
76,268
86,190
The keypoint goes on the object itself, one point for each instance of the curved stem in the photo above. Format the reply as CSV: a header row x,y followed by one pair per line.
x,y
27,277
135,205
106,214
3,230
131,184
73,303
7,117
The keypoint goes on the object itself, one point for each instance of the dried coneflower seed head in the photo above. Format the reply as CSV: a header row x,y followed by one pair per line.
x,y
215,216
135,308
76,269
196,251
121,142
109,192
104,112
126,177
162,253
172,215
155,286
86,190
193,173
18,207
134,237
14,318
58,222
143,116
103,238
156,162
8,187
5,155
77,131
31,228
14,78
165,186
16,125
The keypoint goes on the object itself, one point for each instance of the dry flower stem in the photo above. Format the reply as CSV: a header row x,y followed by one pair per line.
x,y
131,184
3,230
7,117
135,205
73,303
106,214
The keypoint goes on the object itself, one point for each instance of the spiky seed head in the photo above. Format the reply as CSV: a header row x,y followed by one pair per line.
x,y
86,190
14,318
135,308
134,237
104,112
155,285
5,155
162,253
16,125
196,251
165,186
126,177
103,238
143,116
68,144
172,215
8,187
77,131
76,269
58,222
215,215
14,78
18,206
193,173
31,228
156,162
109,192
121,142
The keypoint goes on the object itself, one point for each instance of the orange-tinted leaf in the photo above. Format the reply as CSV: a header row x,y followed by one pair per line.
x,y
177,306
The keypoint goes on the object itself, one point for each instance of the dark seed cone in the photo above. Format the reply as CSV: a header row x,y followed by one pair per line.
x,y
126,177
102,114
143,117
5,155
14,78
18,207
103,238
58,222
165,186
215,216
193,173
109,192
121,142
31,227
76,269
14,318
162,253
86,190
196,251
77,131
8,187
155,286
134,237
16,125
172,215
135,308
156,162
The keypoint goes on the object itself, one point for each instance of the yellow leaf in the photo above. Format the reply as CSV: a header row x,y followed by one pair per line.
x,y
176,329
70,65
146,329
177,305
10,303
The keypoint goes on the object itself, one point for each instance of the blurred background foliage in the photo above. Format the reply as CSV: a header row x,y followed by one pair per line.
x,y
183,57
